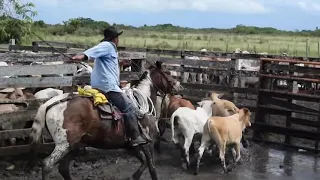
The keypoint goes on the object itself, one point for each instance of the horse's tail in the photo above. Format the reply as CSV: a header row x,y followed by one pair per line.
x,y
36,132
38,124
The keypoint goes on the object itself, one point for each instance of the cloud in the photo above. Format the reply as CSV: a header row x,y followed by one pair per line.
x,y
232,6
151,6
309,5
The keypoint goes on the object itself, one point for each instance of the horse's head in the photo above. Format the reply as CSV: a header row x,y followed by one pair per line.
x,y
163,80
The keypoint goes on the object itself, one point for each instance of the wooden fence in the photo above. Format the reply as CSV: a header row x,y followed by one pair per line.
x,y
193,92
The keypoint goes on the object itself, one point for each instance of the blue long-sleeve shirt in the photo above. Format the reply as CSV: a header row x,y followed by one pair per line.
x,y
106,72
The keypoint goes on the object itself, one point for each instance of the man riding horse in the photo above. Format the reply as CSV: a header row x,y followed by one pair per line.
x,y
105,77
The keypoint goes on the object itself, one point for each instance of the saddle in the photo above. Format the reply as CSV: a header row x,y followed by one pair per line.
x,y
106,109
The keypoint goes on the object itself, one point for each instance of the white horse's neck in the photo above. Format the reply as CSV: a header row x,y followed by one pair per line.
x,y
145,86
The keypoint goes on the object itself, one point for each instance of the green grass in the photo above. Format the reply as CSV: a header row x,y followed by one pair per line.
x,y
295,46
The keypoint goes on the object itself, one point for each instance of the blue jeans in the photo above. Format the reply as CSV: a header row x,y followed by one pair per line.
x,y
123,103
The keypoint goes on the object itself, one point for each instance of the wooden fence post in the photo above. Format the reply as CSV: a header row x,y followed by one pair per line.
x,y
307,45
318,49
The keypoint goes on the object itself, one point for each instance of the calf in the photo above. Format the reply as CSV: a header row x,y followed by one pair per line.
x,y
224,131
188,122
47,93
224,108
12,94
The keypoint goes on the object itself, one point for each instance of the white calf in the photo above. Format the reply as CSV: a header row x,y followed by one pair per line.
x,y
188,122
47,93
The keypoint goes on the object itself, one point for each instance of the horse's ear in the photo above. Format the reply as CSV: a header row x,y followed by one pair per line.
x,y
220,95
158,64
200,103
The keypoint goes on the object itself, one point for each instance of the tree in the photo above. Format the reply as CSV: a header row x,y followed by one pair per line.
x,y
15,19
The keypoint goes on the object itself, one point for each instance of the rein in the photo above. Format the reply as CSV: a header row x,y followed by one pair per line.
x,y
69,57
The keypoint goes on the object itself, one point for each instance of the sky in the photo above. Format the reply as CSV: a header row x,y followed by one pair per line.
x,y
281,14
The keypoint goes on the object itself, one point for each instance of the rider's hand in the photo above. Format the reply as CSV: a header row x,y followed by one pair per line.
x,y
78,57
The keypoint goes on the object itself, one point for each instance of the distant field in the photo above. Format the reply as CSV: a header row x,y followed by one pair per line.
x,y
212,42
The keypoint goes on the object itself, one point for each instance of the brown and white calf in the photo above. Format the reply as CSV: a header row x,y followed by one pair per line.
x,y
224,131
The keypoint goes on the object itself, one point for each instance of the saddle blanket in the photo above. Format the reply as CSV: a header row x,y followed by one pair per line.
x,y
98,97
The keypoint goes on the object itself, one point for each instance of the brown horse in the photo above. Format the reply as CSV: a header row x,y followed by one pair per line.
x,y
165,107
73,121
171,104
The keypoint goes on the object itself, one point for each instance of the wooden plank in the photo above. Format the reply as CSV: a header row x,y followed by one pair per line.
x,y
131,49
262,127
210,70
128,76
62,44
213,64
36,48
293,68
28,58
283,111
216,87
286,77
305,122
21,133
284,103
24,149
18,116
27,101
132,55
29,104
56,81
296,60
35,82
289,95
38,69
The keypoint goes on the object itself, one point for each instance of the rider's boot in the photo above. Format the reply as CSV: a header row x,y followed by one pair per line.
x,y
134,133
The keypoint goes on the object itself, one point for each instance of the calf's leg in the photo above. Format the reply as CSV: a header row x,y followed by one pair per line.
x,y
187,143
205,142
222,152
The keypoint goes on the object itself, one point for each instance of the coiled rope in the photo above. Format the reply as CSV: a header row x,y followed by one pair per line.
x,y
140,100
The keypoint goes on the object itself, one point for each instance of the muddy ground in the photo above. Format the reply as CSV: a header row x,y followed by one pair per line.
x,y
258,162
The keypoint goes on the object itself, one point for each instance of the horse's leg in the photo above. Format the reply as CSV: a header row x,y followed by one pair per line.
x,y
48,164
149,159
64,167
139,154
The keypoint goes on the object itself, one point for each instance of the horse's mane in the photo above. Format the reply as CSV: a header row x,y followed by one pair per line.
x,y
142,77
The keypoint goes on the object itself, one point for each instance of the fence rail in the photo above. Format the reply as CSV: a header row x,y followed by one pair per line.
x,y
65,47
